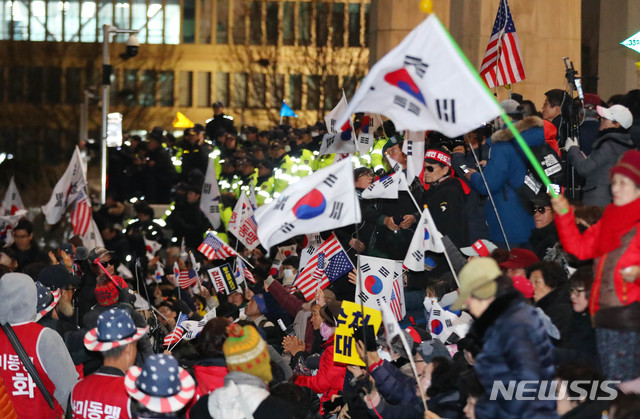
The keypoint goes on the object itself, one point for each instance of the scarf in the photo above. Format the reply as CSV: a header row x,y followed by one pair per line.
x,y
616,222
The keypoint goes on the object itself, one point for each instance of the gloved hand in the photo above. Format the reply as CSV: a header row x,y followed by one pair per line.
x,y
571,142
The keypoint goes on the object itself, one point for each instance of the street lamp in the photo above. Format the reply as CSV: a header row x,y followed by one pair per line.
x,y
132,51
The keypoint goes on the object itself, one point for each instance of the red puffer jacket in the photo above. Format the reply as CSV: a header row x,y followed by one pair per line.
x,y
330,377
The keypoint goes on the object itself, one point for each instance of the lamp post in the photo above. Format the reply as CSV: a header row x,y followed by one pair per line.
x,y
132,50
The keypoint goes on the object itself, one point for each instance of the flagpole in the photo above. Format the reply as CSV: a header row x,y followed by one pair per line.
x,y
174,329
493,203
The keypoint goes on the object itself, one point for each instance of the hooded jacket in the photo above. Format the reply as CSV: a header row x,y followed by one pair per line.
x,y
504,172
607,150
19,298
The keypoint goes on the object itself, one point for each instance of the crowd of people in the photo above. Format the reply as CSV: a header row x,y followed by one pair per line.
x,y
551,284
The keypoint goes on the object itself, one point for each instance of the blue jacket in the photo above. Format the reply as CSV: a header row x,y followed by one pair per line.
x,y
393,385
515,347
504,173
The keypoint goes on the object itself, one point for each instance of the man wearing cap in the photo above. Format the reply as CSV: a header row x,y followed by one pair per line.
x,y
265,182
515,345
159,171
220,123
43,346
103,391
612,142
195,154
285,171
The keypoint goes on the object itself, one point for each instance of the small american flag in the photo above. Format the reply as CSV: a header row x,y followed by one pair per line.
x,y
187,278
243,270
214,248
307,281
176,335
81,215
396,299
502,63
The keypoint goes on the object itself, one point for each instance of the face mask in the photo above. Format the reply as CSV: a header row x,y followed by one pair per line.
x,y
325,331
288,277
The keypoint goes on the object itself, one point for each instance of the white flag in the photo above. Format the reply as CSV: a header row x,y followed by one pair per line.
x,y
386,187
322,201
340,138
7,224
12,201
425,83
92,237
210,198
70,185
426,238
381,281
242,223
370,124
413,147
311,244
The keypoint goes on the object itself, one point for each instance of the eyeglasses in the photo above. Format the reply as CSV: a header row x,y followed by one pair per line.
x,y
429,169
539,210
108,262
576,290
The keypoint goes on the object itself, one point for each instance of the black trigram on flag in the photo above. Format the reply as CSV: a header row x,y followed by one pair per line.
x,y
330,180
336,210
448,323
286,227
409,148
420,67
59,197
436,312
363,296
281,203
384,272
417,255
446,110
388,181
206,189
365,267
214,209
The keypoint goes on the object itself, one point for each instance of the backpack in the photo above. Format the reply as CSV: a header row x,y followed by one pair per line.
x,y
533,186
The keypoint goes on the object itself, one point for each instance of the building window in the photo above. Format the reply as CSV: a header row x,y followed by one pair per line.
x,y
147,95
71,11
288,23
313,92
258,98
155,15
203,89
185,89
122,19
295,91
276,95
105,15
35,85
239,95
331,92
166,80
367,16
354,25
172,22
54,21
204,21
304,24
188,21
337,25
222,88
115,94
255,23
88,22
349,84
272,23
37,29
222,22
73,86
53,80
129,92
240,13
322,28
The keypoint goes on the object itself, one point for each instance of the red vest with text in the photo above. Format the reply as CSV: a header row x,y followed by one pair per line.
x,y
27,399
100,395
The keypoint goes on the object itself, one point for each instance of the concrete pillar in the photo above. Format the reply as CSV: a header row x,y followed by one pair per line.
x,y
617,72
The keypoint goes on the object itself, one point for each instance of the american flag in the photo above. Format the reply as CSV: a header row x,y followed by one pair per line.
x,y
306,282
243,271
214,248
81,215
176,335
187,278
396,299
502,63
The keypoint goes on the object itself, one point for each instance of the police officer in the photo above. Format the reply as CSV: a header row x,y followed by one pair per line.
x,y
220,123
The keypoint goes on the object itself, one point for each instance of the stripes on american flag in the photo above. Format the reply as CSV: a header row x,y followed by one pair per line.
x,y
502,62
81,216
187,278
214,248
245,271
178,331
396,299
306,282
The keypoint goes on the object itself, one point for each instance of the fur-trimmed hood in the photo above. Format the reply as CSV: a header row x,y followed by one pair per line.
x,y
527,123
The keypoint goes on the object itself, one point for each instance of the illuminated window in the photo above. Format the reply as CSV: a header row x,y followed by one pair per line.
x,y
222,88
172,18
71,12
203,89
222,22
239,95
185,89
54,21
122,19
165,88
88,21
37,28
105,15
147,95
155,16
138,20
204,21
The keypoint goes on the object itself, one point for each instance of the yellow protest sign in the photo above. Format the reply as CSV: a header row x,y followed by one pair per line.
x,y
350,317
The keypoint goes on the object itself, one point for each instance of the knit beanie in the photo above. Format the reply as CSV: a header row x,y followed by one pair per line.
x,y
247,352
629,166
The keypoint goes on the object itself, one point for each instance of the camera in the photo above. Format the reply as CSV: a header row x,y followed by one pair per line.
x,y
132,47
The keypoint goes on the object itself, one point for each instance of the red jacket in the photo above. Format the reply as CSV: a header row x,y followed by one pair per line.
x,y
101,393
600,239
330,377
209,378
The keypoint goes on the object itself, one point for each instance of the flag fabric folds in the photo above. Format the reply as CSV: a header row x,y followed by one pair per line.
x,y
425,83
151,247
243,272
380,283
92,238
81,214
214,248
242,223
386,187
7,224
178,331
210,197
502,62
12,201
369,125
339,138
187,278
286,110
69,187
322,201
332,253
413,147
426,238
310,245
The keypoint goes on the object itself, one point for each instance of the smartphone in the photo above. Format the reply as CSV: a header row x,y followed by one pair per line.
x,y
398,219
368,332
464,168
329,405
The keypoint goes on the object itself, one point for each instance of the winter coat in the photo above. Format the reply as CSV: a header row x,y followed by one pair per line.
x,y
330,377
607,150
557,305
446,202
515,346
580,345
543,239
393,385
209,375
614,235
504,173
